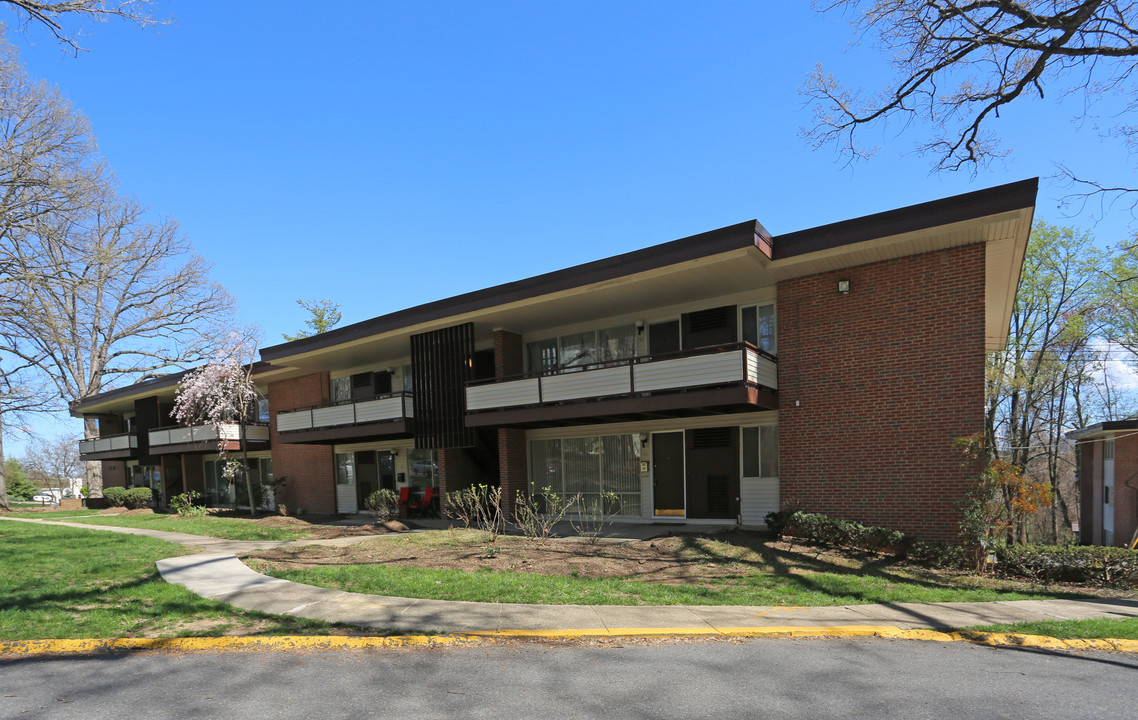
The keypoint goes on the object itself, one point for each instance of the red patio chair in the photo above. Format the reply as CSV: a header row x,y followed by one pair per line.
x,y
423,504
404,501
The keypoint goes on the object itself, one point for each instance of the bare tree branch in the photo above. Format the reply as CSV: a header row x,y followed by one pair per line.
x,y
958,63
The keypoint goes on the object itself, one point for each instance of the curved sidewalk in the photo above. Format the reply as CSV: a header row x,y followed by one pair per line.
x,y
220,575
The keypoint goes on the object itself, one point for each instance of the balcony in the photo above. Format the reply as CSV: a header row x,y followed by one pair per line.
x,y
204,438
123,446
386,416
728,378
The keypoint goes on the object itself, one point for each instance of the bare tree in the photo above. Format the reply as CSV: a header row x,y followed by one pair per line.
x,y
107,296
21,392
54,15
957,63
53,462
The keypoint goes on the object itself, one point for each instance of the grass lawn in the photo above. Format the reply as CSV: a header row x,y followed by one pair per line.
x,y
1097,628
226,528
58,582
741,569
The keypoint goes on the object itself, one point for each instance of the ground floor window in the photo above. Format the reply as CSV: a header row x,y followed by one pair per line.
x,y
589,467
224,492
422,468
760,451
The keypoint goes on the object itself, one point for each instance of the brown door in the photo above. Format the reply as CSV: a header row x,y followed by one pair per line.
x,y
712,461
664,337
668,474
367,477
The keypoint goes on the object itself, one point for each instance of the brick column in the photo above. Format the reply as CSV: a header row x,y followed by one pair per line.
x,y
513,476
311,474
513,473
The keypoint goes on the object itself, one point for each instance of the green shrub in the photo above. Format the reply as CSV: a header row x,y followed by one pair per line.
x,y
21,489
188,504
114,496
820,529
384,503
137,498
1082,564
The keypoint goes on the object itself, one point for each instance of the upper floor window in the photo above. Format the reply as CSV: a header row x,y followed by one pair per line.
x,y
759,327
583,348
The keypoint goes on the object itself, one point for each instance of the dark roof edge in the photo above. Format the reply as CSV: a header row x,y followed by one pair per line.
x,y
158,383
979,203
713,242
1103,427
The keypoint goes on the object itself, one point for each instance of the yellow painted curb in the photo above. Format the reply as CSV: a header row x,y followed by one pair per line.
x,y
24,648
283,642
883,631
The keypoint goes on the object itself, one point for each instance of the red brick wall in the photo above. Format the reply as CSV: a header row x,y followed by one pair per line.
x,y
311,484
513,473
114,473
874,386
509,354
1125,489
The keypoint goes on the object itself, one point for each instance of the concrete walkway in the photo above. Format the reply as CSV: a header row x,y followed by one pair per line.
x,y
219,575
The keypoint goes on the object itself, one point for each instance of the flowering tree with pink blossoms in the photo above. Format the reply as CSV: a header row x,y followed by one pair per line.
x,y
219,394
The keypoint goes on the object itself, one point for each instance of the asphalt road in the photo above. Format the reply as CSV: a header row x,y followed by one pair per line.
x,y
851,678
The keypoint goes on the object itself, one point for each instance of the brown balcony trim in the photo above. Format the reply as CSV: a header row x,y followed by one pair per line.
x,y
204,447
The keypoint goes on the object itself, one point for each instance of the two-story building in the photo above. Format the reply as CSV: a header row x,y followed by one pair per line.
x,y
713,378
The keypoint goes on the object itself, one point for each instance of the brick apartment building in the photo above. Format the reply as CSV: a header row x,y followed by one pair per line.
x,y
709,379
1107,464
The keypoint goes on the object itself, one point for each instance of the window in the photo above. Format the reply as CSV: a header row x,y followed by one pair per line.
x,y
345,469
758,327
589,466
760,451
422,468
583,348
1108,450
341,389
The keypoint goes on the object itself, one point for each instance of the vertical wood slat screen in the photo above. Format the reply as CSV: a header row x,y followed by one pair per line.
x,y
442,363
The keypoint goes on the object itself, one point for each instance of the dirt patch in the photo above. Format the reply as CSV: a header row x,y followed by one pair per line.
x,y
124,511
679,559
326,532
683,559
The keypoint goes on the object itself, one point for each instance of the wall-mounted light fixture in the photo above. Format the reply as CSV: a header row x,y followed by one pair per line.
x,y
844,287
639,326
394,451
643,441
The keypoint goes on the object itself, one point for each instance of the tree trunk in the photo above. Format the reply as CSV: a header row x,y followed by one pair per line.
x,y
94,469
248,481
3,471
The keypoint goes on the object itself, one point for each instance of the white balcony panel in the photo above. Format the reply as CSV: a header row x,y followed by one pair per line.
x,y
301,420
761,370
505,394
758,496
378,410
408,406
335,415
587,384
711,369
123,442
257,433
159,437
87,446
229,431
201,433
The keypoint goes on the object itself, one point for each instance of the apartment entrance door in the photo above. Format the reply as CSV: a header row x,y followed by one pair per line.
x,y
367,476
668,474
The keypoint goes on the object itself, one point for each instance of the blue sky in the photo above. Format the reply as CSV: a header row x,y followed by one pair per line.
x,y
386,154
